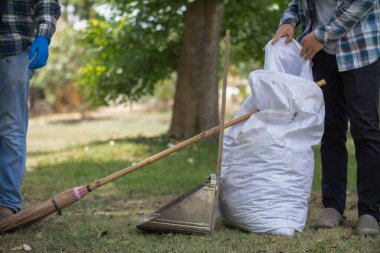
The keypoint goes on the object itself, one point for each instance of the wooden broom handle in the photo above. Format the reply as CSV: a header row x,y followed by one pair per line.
x,y
175,148
168,151
321,83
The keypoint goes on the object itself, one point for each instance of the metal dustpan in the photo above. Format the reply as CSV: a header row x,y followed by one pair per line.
x,y
189,213
194,211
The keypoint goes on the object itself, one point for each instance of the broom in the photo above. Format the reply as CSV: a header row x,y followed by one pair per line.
x,y
69,197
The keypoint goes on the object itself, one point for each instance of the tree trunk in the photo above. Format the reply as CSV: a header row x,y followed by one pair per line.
x,y
196,97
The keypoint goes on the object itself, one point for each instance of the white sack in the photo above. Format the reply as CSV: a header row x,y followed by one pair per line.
x,y
268,161
286,59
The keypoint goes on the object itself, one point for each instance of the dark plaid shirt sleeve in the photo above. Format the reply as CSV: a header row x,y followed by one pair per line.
x,y
47,13
347,16
355,26
290,15
22,20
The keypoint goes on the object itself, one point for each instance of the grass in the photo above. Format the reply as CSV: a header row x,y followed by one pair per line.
x,y
105,220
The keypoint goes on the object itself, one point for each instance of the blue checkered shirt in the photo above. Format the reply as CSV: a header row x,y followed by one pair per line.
x,y
355,27
22,20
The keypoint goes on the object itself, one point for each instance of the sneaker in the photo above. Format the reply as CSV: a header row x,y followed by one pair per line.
x,y
330,218
5,212
368,225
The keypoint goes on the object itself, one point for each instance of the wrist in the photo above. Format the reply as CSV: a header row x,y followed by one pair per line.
x,y
46,31
289,21
41,37
320,35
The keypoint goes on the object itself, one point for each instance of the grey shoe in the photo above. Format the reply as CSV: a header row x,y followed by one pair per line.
x,y
368,225
330,218
5,212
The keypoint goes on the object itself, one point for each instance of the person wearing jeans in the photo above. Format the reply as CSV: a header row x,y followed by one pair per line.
x,y
26,28
342,38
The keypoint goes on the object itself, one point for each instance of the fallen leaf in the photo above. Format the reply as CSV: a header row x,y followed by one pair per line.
x,y
26,247
272,239
17,248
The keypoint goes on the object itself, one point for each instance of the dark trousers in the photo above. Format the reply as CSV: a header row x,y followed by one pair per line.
x,y
350,95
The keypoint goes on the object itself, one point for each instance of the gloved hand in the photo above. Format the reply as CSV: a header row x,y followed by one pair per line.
x,y
39,51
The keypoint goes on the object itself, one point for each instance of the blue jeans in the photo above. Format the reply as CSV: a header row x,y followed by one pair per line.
x,y
14,90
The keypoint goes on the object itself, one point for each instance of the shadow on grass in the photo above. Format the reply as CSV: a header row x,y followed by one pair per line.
x,y
171,175
159,141
80,120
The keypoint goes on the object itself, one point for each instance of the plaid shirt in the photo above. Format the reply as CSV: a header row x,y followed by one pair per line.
x,y
22,20
355,27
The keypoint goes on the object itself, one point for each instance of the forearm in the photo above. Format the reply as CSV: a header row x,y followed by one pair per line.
x,y
290,15
47,13
346,17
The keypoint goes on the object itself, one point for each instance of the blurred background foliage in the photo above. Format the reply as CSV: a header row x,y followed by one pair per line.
x,y
114,51
140,42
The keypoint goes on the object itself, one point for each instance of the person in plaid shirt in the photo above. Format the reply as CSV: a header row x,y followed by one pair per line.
x,y
342,38
26,28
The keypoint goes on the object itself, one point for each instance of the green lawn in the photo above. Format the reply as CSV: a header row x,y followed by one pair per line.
x,y
63,155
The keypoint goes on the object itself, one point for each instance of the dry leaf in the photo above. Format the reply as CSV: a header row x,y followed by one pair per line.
x,y
17,248
26,247
272,239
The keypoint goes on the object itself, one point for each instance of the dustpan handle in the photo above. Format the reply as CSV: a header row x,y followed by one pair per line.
x,y
221,133
223,108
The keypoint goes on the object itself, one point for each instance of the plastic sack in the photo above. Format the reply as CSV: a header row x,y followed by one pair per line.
x,y
286,58
268,160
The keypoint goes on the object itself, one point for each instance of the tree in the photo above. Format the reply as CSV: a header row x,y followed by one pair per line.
x,y
196,98
146,41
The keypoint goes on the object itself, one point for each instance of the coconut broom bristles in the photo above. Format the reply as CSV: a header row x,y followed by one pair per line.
x,y
38,212
69,197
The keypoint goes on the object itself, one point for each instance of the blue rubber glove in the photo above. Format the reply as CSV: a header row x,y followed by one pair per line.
x,y
39,52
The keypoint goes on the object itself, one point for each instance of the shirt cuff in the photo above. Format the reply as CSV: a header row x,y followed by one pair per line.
x,y
46,30
322,36
291,21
